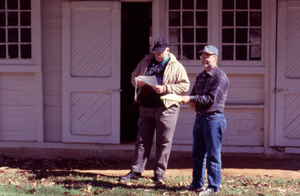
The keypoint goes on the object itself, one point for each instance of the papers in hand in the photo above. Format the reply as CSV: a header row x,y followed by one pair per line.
x,y
172,97
150,80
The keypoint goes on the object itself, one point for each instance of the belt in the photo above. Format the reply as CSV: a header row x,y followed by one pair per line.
x,y
206,113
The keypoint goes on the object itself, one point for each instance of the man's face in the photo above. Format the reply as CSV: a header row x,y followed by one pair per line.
x,y
208,60
160,57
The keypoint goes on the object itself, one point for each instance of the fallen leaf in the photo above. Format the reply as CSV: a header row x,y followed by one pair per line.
x,y
31,191
20,187
88,189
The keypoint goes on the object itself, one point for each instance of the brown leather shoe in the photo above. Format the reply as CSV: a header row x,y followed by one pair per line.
x,y
159,180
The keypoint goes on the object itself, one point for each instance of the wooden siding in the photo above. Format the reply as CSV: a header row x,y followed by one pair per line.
x,y
246,89
52,69
245,126
18,109
184,128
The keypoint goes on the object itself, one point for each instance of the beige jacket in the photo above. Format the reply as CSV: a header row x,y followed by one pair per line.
x,y
175,79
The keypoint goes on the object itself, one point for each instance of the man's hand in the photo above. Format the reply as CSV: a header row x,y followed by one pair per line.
x,y
192,104
186,99
140,83
159,89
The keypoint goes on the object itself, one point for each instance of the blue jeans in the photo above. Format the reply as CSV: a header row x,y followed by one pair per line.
x,y
207,142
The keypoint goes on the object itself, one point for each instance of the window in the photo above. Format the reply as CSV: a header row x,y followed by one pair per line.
x,y
15,29
241,30
235,27
188,28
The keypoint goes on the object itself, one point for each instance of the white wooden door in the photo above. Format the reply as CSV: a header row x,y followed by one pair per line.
x,y
288,75
91,72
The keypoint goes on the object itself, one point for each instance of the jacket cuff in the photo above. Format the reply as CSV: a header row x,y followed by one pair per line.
x,y
164,89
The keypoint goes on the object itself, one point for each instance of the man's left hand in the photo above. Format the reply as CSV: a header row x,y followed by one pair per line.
x,y
159,89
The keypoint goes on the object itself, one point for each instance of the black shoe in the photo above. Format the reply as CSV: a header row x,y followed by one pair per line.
x,y
159,180
131,175
191,187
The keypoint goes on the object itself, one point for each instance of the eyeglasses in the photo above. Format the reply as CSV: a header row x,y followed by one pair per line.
x,y
205,57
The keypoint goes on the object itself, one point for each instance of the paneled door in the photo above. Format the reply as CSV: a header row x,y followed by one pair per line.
x,y
91,71
287,90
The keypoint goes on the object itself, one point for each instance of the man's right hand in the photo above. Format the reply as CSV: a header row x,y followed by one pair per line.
x,y
186,99
140,83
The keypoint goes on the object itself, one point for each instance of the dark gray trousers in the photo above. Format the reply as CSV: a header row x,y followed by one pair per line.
x,y
163,120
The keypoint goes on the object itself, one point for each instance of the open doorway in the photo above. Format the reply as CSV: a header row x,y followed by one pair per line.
x,y
136,29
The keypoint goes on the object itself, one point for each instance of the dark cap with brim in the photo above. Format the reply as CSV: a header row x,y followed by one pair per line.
x,y
160,45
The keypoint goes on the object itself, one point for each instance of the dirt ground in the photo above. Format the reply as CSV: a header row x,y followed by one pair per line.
x,y
231,166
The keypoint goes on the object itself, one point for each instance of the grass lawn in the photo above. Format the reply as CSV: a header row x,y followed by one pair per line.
x,y
66,182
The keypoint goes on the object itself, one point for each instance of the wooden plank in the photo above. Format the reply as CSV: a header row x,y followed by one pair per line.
x,y
292,150
18,123
243,89
20,68
39,108
52,136
241,149
245,127
246,89
52,100
52,69
241,142
53,123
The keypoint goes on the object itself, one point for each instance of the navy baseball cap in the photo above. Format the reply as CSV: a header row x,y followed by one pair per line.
x,y
160,45
210,50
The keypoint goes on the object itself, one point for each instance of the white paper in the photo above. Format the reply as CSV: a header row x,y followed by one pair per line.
x,y
150,80
172,97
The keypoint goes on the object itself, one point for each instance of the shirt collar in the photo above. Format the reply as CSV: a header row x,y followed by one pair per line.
x,y
164,62
211,72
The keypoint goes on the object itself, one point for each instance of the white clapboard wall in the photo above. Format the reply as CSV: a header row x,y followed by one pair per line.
x,y
52,69
18,119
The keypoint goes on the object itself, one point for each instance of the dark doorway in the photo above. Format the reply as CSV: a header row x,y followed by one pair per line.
x,y
135,34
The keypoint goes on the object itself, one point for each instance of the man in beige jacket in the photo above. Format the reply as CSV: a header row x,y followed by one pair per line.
x,y
157,114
